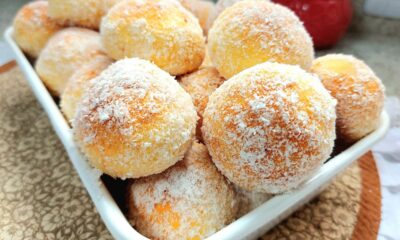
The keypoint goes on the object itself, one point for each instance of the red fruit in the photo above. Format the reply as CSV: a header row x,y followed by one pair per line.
x,y
325,20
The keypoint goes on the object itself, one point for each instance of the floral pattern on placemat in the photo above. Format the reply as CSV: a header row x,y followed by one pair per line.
x,y
41,196
332,215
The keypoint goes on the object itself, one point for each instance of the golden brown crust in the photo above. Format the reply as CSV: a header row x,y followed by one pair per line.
x,y
269,127
200,85
359,92
33,27
134,120
161,31
252,32
191,200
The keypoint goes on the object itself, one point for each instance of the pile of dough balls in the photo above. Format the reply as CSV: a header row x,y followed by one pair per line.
x,y
205,110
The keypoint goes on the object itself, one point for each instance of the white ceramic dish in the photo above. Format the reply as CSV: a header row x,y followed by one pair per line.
x,y
249,226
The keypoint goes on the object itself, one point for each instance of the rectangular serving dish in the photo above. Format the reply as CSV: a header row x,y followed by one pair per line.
x,y
250,226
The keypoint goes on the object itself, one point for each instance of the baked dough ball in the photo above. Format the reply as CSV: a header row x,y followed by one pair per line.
x,y
359,92
82,13
78,83
65,52
161,31
200,85
202,9
253,32
269,127
249,201
33,27
134,120
191,200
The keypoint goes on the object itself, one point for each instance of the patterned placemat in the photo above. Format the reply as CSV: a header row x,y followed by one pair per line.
x,y
41,196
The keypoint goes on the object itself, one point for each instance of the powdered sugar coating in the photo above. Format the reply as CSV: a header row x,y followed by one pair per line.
x,y
161,31
81,13
190,200
78,83
269,127
134,120
64,53
33,27
252,32
359,92
200,85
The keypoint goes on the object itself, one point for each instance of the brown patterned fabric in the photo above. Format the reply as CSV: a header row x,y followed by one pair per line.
x,y
332,215
41,196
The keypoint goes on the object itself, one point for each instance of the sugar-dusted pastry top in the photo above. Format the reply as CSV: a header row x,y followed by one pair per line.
x,y
79,82
134,120
252,32
64,53
359,92
269,127
161,31
33,27
191,200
